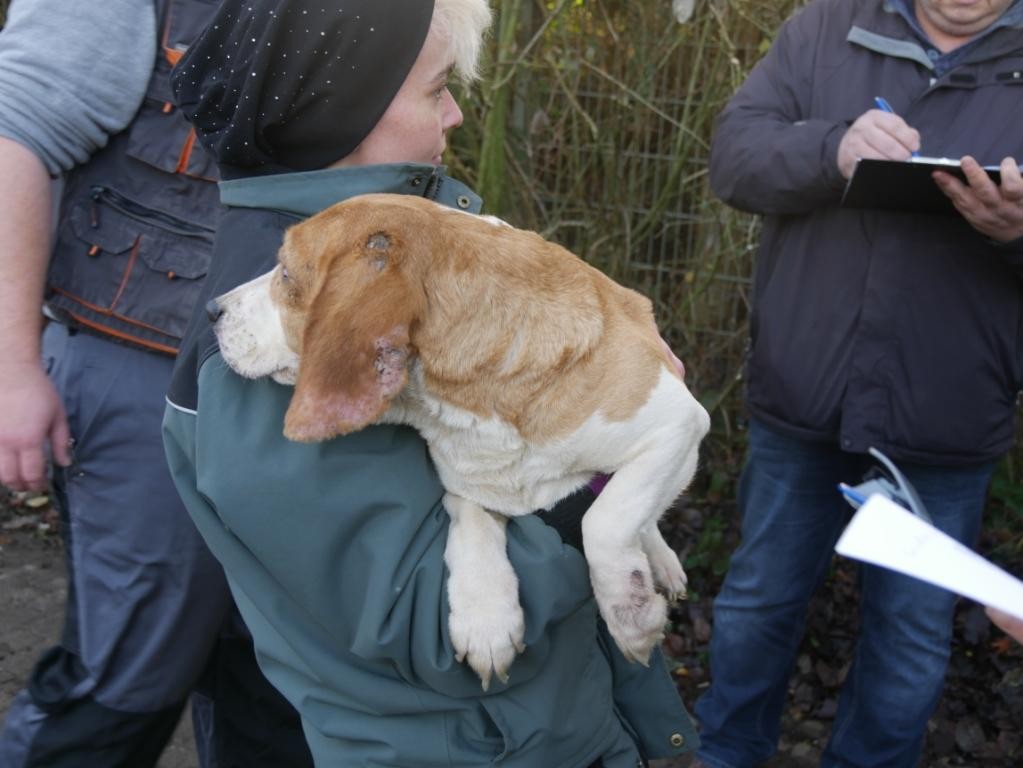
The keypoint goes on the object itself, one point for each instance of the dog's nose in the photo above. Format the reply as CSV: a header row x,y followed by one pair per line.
x,y
213,310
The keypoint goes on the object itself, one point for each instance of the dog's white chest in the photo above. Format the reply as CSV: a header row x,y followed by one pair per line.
x,y
486,460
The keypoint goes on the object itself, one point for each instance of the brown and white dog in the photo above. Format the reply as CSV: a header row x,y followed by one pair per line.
x,y
525,369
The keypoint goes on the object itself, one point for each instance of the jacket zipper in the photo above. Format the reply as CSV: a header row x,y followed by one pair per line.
x,y
128,207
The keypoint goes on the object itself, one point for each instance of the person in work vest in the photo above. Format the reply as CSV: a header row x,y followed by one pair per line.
x,y
84,93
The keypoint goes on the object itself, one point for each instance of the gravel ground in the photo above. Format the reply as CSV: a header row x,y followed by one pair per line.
x,y
976,725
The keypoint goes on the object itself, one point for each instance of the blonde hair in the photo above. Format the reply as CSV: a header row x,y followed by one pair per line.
x,y
462,24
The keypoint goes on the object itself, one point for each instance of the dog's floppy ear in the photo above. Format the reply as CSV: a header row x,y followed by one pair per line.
x,y
355,347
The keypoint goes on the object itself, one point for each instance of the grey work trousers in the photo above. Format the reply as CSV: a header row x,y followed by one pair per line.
x,y
146,599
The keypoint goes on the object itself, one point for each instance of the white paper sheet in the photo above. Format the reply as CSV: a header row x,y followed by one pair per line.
x,y
883,533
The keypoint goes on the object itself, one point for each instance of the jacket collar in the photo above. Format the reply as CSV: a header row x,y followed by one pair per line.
x,y
1013,16
896,33
307,193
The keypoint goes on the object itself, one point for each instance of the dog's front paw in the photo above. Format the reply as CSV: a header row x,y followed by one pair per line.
x,y
486,622
635,614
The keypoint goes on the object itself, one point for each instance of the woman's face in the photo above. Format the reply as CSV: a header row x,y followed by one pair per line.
x,y
414,126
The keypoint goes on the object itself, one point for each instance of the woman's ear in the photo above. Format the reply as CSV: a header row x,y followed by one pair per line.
x,y
355,352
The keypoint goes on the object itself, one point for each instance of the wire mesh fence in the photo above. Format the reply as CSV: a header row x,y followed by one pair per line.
x,y
593,127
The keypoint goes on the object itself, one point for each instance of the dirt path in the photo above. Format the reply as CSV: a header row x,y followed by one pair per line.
x,y
32,587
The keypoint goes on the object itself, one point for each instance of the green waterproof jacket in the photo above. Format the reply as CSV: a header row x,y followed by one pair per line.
x,y
334,554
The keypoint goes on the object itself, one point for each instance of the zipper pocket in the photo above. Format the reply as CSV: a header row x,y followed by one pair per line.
x,y
133,210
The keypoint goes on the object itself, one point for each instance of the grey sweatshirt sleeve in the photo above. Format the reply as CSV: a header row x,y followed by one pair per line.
x,y
73,73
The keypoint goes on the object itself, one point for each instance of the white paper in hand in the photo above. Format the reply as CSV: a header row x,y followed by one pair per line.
x,y
883,533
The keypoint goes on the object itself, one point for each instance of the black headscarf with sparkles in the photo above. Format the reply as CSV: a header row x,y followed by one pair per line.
x,y
293,85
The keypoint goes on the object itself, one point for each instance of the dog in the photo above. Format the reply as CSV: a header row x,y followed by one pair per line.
x,y
526,370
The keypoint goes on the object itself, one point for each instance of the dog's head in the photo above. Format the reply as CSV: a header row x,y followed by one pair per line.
x,y
343,298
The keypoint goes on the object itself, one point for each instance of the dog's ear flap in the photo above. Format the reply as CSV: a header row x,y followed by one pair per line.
x,y
354,355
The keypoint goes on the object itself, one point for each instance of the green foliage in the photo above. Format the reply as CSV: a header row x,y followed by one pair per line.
x,y
493,168
1004,522
713,547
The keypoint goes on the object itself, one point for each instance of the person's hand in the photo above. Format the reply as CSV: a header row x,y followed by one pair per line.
x,y
1012,626
876,135
679,367
672,357
995,211
31,414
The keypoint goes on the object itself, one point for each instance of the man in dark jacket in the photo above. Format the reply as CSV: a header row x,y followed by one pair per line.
x,y
870,328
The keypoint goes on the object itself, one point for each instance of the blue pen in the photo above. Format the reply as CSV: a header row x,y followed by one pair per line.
x,y
884,106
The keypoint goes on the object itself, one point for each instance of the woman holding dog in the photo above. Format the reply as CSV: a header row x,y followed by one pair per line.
x,y
334,551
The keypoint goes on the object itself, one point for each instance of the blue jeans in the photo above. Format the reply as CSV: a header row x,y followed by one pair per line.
x,y
792,516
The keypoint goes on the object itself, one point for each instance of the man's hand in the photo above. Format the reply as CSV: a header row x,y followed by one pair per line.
x,y
30,410
876,135
31,414
995,211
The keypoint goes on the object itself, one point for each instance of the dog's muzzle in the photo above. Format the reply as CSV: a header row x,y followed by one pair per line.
x,y
213,310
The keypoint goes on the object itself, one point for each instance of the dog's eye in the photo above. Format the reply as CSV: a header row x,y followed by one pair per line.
x,y
284,274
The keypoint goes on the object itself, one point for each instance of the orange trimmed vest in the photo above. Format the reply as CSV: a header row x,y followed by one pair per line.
x,y
136,225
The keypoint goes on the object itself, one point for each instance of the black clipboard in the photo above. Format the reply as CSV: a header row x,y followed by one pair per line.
x,y
904,185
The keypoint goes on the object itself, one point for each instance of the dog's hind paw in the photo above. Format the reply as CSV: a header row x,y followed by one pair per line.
x,y
635,614
669,577
667,571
